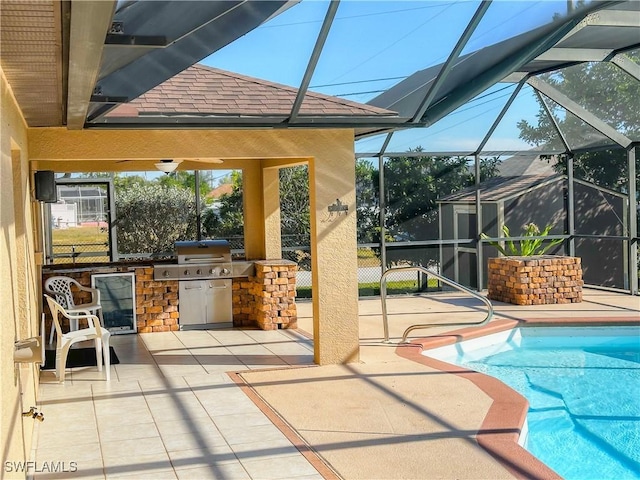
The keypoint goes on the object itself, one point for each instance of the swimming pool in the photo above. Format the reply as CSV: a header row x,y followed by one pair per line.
x,y
583,388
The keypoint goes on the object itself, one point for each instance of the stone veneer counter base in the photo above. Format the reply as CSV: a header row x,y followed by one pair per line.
x,y
267,299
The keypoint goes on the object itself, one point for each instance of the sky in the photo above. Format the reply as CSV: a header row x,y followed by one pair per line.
x,y
373,45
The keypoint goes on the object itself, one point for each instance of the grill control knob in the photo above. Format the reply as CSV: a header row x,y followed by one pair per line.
x,y
186,272
165,273
212,271
198,272
224,271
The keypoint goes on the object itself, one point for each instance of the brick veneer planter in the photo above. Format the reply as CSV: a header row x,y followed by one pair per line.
x,y
267,300
535,280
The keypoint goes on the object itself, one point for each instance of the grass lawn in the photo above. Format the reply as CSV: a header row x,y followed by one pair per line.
x,y
373,288
67,241
367,258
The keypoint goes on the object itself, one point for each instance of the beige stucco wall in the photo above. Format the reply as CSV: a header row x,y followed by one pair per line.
x,y
329,154
259,153
19,291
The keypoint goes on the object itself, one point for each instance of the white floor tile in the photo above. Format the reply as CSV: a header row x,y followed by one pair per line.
x,y
223,471
171,411
279,468
186,459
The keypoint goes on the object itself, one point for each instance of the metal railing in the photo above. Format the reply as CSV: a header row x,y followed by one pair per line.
x,y
383,299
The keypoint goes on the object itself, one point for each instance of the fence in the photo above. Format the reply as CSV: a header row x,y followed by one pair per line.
x,y
80,253
369,266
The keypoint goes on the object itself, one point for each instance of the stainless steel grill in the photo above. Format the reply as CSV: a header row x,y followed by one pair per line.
x,y
198,260
204,272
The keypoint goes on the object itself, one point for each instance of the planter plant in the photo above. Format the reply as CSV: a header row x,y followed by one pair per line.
x,y
529,246
526,276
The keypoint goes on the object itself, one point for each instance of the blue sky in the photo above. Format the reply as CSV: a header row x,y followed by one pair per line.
x,y
372,45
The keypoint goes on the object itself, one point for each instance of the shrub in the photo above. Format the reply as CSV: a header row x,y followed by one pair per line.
x,y
150,218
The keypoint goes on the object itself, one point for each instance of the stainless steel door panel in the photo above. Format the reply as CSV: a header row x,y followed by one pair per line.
x,y
192,302
219,301
205,301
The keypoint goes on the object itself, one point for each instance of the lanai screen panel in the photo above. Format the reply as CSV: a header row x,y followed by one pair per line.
x,y
374,45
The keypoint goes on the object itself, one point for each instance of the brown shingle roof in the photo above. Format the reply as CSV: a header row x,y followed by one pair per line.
x,y
202,90
500,188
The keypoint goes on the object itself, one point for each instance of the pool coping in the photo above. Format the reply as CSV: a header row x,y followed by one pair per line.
x,y
503,424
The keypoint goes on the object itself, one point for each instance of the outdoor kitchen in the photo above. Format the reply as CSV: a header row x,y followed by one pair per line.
x,y
201,288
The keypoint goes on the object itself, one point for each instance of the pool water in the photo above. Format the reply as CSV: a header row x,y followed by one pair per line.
x,y
583,388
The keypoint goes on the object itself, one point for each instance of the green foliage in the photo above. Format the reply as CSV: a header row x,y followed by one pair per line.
x,y
610,94
528,246
225,219
367,202
184,179
413,187
294,202
150,218
126,182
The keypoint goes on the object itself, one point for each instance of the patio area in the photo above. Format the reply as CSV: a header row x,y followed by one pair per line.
x,y
172,410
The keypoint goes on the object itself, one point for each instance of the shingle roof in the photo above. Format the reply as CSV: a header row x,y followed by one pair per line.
x,y
500,188
526,164
201,90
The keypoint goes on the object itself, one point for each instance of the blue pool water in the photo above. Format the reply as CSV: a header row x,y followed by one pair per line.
x,y
583,387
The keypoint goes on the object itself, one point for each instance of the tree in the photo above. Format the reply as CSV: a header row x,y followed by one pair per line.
x,y
184,179
294,202
367,202
294,206
413,187
127,182
225,218
608,93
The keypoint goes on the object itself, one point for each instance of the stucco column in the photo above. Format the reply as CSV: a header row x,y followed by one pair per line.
x,y
271,202
253,209
334,258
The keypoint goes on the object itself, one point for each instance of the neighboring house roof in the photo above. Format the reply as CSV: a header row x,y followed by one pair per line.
x,y
202,90
526,165
224,189
501,188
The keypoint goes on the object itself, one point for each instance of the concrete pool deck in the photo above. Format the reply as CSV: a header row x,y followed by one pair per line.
x,y
398,414
173,410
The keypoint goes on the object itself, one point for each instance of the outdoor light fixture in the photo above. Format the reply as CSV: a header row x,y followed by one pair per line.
x,y
338,208
166,165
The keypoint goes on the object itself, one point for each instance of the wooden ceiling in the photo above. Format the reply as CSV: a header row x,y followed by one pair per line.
x,y
32,57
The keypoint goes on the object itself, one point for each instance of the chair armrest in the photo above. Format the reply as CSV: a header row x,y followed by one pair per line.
x,y
76,314
56,295
82,315
95,293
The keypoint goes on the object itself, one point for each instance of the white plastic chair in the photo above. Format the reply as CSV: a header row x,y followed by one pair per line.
x,y
94,331
60,289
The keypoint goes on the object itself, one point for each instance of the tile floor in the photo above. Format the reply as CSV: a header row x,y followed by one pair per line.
x,y
170,411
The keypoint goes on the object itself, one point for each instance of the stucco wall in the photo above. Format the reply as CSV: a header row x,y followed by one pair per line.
x,y
19,291
330,156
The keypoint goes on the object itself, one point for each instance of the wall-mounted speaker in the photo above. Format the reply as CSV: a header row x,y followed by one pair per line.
x,y
46,186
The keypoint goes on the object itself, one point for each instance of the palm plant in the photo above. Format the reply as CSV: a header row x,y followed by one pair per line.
x,y
529,246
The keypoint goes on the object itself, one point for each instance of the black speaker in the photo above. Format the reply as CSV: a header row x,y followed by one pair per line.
x,y
46,186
